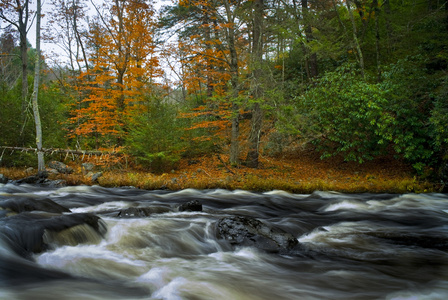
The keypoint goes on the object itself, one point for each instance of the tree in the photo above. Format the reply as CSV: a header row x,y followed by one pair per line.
x,y
40,153
355,38
67,30
217,31
257,89
9,57
18,14
123,69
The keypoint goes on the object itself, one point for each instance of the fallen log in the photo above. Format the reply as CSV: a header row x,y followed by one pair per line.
x,y
58,150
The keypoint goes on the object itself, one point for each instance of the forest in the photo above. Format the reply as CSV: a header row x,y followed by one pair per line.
x,y
264,89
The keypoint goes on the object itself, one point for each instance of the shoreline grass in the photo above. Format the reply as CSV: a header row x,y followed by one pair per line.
x,y
244,179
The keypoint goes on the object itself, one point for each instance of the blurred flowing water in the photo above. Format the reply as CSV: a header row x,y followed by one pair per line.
x,y
351,246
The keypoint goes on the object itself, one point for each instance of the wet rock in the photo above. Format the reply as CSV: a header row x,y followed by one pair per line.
x,y
30,180
246,231
41,180
194,205
3,179
55,183
19,205
141,212
28,233
34,179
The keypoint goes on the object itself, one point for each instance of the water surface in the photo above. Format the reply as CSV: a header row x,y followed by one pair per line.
x,y
357,246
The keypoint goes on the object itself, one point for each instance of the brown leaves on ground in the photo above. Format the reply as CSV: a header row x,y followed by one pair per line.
x,y
303,172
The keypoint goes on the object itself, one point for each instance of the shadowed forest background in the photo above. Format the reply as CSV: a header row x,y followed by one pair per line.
x,y
258,94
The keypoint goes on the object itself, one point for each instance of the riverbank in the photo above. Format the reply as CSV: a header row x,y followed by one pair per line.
x,y
303,173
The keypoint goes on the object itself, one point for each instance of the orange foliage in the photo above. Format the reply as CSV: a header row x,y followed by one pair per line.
x,y
123,62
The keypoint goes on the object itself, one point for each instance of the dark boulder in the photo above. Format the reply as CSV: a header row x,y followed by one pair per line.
x,y
246,231
141,212
42,180
194,205
60,167
28,233
3,179
33,179
19,205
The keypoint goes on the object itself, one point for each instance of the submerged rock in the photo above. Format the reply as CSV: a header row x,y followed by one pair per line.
x,y
194,205
246,231
141,212
3,179
19,205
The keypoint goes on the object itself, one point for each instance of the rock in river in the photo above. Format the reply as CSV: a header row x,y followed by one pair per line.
x,y
246,231
194,205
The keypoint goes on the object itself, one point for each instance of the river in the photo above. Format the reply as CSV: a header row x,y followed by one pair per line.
x,y
350,246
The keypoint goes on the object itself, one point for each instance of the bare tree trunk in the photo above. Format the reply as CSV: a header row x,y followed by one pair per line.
x,y
257,73
40,153
78,36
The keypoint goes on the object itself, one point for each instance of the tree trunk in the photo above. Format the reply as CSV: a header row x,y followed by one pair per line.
x,y
22,27
235,133
233,65
311,58
40,153
355,38
78,37
24,58
257,73
377,42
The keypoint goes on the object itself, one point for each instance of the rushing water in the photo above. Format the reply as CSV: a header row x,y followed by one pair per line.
x,y
357,246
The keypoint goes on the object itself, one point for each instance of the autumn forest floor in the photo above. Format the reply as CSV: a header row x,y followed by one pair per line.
x,y
302,172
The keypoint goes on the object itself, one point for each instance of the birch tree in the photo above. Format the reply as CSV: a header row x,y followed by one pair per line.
x,y
40,153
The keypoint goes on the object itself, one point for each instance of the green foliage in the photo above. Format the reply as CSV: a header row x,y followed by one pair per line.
x,y
439,116
343,113
408,88
53,114
439,126
155,137
16,127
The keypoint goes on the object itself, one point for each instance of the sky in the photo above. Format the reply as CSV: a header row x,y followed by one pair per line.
x,y
48,47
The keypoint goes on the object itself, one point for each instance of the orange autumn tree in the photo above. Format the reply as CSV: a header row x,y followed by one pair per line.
x,y
213,44
123,66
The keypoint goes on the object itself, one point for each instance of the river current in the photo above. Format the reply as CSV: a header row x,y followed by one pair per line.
x,y
351,246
